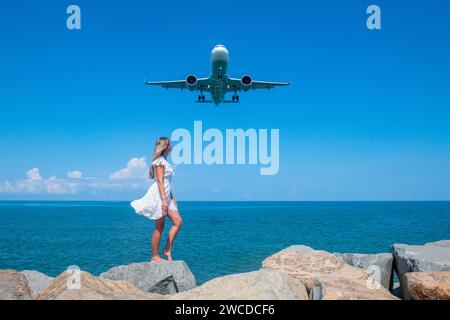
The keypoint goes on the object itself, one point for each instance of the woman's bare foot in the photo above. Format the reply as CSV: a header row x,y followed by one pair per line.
x,y
158,259
168,254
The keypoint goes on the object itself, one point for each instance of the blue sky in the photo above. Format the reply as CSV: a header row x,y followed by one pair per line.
x,y
366,118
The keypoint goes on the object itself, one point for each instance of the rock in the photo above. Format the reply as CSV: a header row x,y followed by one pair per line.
x,y
299,248
84,286
347,289
37,281
429,285
326,276
380,263
308,267
442,243
363,261
162,278
428,258
256,285
14,286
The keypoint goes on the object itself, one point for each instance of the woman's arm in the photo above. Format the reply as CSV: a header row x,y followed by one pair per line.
x,y
162,191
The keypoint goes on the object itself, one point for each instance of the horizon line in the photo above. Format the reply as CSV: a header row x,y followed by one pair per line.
x,y
105,200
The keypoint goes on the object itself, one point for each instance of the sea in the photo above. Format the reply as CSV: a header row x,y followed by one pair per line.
x,y
217,238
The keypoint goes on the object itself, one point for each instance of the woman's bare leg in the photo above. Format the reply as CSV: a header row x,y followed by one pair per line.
x,y
156,239
177,223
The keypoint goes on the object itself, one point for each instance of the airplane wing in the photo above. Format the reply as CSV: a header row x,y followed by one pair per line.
x,y
177,84
201,85
235,84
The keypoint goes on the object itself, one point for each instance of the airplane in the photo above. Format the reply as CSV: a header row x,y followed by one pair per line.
x,y
218,83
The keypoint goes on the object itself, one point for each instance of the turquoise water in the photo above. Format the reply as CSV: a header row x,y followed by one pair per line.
x,y
217,238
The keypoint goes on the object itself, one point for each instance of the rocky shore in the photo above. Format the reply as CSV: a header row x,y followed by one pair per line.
x,y
295,273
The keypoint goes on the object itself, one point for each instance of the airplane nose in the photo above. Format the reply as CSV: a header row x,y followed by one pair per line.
x,y
219,53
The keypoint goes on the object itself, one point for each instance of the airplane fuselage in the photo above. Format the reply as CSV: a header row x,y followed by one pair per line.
x,y
219,65
218,84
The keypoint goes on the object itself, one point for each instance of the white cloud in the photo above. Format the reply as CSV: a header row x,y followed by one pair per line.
x,y
74,174
7,187
36,184
33,174
136,169
131,177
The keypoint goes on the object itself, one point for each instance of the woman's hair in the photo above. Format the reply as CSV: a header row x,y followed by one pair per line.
x,y
160,147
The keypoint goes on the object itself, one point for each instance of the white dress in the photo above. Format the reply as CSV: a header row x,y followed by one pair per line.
x,y
150,204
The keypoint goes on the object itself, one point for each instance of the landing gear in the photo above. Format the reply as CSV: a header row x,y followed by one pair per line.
x,y
235,97
201,98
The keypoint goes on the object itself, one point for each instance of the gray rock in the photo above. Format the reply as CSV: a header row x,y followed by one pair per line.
x,y
256,285
37,281
427,258
442,243
14,286
162,278
383,262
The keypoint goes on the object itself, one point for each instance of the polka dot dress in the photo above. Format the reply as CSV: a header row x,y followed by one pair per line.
x,y
150,204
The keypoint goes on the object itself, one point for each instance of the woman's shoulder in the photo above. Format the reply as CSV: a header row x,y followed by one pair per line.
x,y
160,161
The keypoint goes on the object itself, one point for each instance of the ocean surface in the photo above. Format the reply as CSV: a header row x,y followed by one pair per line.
x,y
218,238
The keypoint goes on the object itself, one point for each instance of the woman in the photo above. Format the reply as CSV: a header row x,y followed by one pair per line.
x,y
159,201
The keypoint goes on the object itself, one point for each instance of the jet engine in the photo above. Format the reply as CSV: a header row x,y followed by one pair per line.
x,y
246,81
191,81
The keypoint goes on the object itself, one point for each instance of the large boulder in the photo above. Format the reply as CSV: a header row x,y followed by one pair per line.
x,y
379,265
37,281
307,267
84,286
256,285
432,257
14,286
428,285
157,277
325,276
